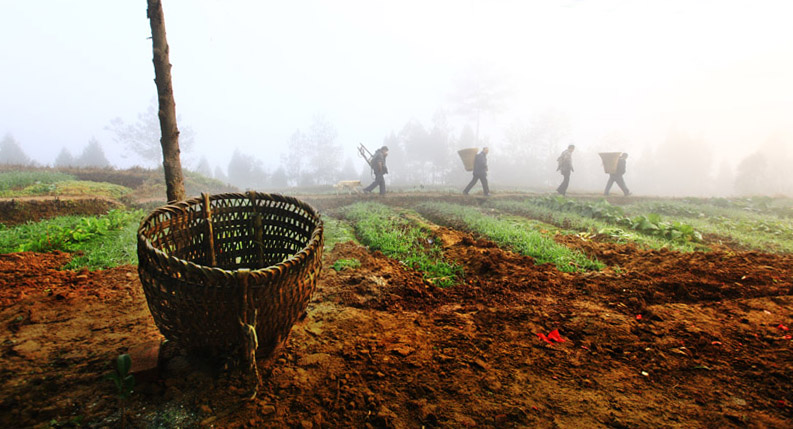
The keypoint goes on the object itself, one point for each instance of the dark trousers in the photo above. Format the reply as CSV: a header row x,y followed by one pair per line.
x,y
471,184
378,180
616,178
562,189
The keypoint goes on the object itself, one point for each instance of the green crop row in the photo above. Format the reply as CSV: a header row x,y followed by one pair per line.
x,y
509,234
336,231
21,179
381,228
588,225
745,227
100,241
745,234
650,224
746,220
779,207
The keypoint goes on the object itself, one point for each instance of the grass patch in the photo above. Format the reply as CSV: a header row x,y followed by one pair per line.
x,y
10,180
100,241
346,264
337,231
510,234
381,228
119,247
69,187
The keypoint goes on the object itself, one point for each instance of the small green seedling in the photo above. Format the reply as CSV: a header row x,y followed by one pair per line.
x,y
343,264
124,381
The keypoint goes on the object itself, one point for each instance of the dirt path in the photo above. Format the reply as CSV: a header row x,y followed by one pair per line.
x,y
658,339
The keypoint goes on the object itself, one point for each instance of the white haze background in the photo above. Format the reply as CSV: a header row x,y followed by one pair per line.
x,y
696,91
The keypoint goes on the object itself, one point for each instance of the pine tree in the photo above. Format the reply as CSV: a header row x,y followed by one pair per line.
x,y
93,155
65,159
204,168
11,153
220,175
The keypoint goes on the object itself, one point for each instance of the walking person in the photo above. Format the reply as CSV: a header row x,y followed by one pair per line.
x,y
616,177
379,168
480,172
565,167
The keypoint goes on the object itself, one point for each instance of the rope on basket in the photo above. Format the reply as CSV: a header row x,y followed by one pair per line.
x,y
250,341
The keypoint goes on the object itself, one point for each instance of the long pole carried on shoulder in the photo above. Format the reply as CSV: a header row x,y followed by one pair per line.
x,y
365,154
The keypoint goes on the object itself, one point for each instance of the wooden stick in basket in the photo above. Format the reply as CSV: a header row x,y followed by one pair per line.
x,y
258,230
250,341
210,234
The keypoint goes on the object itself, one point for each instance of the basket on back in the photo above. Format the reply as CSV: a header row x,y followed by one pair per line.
x,y
468,156
610,160
213,264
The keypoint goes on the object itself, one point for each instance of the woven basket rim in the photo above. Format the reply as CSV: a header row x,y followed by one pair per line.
x,y
297,257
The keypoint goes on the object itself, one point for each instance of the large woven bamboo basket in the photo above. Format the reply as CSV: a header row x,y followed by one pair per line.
x,y
212,266
468,156
610,160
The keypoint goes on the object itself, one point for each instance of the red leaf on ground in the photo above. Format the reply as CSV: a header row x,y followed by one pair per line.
x,y
638,317
783,327
544,338
554,335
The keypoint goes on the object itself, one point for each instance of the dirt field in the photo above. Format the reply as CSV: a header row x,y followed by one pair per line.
x,y
657,339
14,211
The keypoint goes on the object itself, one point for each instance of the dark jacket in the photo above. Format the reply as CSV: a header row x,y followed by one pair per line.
x,y
565,161
620,167
480,164
378,163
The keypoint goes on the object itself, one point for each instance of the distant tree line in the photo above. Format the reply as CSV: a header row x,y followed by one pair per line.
x,y
422,154
91,156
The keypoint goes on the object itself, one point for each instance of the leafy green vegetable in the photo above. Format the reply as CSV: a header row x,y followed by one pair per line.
x,y
382,228
102,241
509,234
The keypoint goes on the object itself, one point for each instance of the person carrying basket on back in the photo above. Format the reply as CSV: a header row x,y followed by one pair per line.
x,y
480,172
616,177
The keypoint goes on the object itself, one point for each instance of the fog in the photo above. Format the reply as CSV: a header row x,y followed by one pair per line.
x,y
699,93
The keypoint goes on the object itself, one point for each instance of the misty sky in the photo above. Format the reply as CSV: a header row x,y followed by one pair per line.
x,y
248,74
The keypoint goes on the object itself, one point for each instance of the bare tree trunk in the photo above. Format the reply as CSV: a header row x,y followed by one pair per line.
x,y
174,181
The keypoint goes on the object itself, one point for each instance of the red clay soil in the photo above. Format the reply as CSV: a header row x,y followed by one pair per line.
x,y
657,339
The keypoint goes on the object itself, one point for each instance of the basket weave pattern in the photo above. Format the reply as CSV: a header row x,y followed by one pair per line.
x,y
209,264
468,156
610,160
